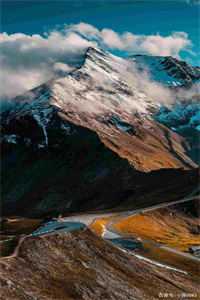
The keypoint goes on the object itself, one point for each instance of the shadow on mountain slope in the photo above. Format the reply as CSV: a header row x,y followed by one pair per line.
x,y
80,173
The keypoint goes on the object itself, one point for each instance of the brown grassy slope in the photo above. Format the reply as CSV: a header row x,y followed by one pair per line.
x,y
152,146
17,225
79,266
11,229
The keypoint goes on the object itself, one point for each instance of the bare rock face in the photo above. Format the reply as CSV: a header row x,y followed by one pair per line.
x,y
79,265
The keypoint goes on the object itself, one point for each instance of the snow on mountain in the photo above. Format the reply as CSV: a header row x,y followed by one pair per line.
x,y
182,115
184,118
100,86
104,83
167,70
106,95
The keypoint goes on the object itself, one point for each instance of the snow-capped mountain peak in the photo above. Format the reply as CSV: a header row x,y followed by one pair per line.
x,y
100,85
104,96
103,86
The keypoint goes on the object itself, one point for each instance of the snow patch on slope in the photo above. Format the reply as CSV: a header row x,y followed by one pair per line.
x,y
180,116
104,83
167,70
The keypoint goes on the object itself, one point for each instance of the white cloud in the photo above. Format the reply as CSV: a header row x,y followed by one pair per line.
x,y
166,46
84,28
112,39
29,60
127,41
152,44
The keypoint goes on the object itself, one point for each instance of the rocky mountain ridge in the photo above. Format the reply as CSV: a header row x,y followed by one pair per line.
x,y
95,129
168,70
93,96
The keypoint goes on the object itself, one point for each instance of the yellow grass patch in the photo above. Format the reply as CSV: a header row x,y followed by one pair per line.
x,y
163,226
98,226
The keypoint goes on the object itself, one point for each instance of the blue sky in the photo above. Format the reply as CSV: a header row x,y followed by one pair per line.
x,y
37,38
139,17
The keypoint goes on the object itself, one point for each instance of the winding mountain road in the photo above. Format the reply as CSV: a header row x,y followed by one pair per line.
x,y
89,218
81,221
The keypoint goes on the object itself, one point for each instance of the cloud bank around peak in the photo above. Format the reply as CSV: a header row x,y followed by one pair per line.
x,y
29,60
141,44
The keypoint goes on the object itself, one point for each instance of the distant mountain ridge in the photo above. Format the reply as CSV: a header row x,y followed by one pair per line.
x,y
168,70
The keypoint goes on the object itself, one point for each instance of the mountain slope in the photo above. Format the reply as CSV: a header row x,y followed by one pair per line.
x,y
183,115
81,173
79,265
184,118
100,96
88,140
168,70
